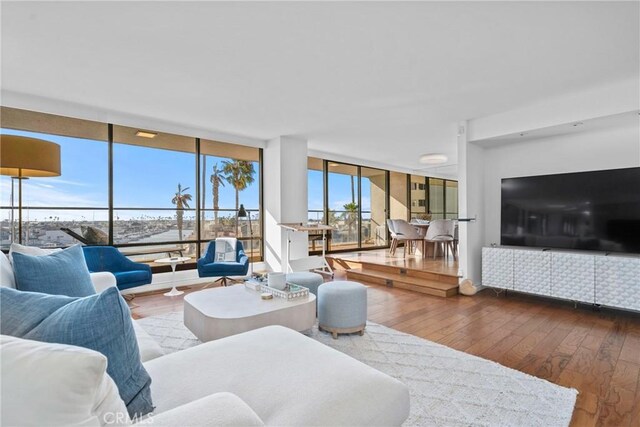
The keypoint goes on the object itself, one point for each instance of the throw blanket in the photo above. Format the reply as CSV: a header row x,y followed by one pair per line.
x,y
225,249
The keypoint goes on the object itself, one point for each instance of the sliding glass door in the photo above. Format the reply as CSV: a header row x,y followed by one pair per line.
x,y
343,205
229,177
373,183
352,199
432,198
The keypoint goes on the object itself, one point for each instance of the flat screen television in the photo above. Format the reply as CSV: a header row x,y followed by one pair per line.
x,y
597,211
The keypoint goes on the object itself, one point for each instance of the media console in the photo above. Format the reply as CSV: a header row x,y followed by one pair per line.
x,y
609,280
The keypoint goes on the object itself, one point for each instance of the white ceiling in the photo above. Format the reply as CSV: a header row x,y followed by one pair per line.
x,y
629,119
383,82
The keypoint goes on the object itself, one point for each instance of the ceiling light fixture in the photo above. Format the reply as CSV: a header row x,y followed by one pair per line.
x,y
523,134
577,124
433,159
145,134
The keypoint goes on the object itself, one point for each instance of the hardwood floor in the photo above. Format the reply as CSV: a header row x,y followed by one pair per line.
x,y
598,353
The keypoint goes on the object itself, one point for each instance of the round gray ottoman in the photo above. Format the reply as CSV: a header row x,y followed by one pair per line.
x,y
342,307
307,279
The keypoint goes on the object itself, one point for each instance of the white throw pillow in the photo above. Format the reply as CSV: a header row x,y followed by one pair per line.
x,y
225,249
6,272
29,250
57,385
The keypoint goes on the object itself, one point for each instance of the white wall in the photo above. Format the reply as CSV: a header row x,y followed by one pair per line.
x,y
607,100
611,148
611,143
470,205
285,198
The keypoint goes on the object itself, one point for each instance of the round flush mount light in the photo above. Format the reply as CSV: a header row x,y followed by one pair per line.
x,y
433,159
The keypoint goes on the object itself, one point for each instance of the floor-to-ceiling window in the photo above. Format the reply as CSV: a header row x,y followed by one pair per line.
x,y
147,192
373,202
436,198
74,202
154,191
230,176
451,199
315,191
418,190
343,205
433,198
315,201
352,199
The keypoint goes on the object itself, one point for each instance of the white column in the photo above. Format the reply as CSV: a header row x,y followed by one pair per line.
x,y
471,204
285,198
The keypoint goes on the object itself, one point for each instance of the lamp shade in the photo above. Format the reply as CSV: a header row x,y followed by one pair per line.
x,y
242,213
29,157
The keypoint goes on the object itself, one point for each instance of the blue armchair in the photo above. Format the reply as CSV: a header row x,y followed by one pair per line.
x,y
128,274
207,267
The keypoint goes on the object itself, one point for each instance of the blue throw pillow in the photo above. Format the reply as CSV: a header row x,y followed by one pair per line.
x,y
100,322
60,273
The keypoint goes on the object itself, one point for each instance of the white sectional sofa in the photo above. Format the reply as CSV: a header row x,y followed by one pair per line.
x,y
149,349
272,376
283,377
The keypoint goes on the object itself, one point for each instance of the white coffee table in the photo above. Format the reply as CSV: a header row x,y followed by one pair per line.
x,y
174,262
220,312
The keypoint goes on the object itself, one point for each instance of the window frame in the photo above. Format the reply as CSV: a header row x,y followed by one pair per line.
x,y
111,209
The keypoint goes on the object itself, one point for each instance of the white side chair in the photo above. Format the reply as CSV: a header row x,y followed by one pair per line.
x,y
409,233
441,233
394,237
455,241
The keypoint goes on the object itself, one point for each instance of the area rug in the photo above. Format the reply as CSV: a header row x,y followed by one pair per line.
x,y
447,387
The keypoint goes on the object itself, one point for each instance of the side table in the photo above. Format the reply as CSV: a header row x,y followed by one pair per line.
x,y
173,262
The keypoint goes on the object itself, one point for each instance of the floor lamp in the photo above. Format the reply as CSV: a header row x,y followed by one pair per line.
x,y
242,213
22,158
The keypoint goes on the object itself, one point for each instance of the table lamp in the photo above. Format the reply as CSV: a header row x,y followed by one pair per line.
x,y
21,158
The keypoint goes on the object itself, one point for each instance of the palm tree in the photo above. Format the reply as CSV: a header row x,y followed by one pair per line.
x,y
350,216
217,179
353,190
238,173
181,200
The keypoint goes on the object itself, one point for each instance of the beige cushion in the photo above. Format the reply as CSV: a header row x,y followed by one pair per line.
x,y
29,250
57,385
6,272
215,410
149,348
285,377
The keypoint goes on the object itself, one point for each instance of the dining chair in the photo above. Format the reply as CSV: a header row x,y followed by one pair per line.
x,y
410,234
394,237
441,233
455,241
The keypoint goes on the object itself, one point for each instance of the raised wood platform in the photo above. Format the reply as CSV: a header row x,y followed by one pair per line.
x,y
438,278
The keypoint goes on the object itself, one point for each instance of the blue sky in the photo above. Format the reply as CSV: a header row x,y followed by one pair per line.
x,y
339,191
143,177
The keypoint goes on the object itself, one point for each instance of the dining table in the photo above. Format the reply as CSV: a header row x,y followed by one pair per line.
x,y
424,226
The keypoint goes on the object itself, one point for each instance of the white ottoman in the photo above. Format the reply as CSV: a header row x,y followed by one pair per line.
x,y
307,279
342,307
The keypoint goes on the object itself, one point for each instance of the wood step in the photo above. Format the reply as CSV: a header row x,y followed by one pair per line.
x,y
418,284
345,264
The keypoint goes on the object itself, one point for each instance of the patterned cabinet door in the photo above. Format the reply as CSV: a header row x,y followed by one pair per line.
x,y
573,277
618,282
532,272
497,267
